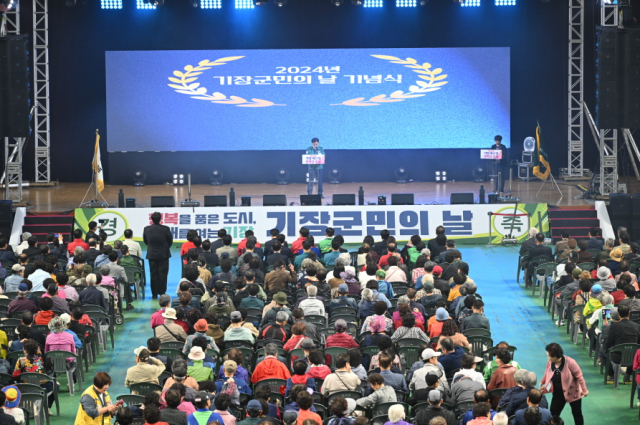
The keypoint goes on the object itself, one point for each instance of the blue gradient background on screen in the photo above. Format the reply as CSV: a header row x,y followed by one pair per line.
x,y
145,114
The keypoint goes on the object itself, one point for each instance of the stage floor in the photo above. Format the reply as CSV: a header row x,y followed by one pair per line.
x,y
67,196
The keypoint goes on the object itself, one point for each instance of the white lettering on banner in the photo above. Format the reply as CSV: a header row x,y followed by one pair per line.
x,y
353,223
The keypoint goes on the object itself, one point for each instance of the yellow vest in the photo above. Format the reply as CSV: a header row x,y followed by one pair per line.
x,y
83,419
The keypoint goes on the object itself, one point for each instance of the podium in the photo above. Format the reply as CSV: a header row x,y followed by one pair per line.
x,y
492,156
312,174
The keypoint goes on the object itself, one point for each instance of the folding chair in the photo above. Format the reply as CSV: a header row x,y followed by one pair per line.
x,y
105,323
346,310
479,344
172,353
542,273
34,378
130,399
383,408
333,352
476,332
57,359
33,398
628,351
144,388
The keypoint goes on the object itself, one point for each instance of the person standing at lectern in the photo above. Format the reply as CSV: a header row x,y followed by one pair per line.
x,y
315,170
158,239
502,165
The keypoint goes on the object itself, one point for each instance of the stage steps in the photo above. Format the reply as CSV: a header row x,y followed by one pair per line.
x,y
577,220
39,225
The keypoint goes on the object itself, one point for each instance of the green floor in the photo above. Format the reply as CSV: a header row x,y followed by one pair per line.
x,y
515,317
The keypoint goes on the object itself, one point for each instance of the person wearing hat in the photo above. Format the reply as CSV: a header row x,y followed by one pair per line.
x,y
147,368
605,278
236,332
21,302
384,287
431,365
58,339
290,417
595,301
10,405
11,283
467,381
197,369
434,327
617,255
435,409
179,375
200,328
254,410
203,415
270,367
231,384
342,300
168,331
280,300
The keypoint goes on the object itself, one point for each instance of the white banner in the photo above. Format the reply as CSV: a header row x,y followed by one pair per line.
x,y
468,222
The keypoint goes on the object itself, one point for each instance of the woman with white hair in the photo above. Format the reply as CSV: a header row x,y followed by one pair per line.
x,y
500,418
396,415
344,260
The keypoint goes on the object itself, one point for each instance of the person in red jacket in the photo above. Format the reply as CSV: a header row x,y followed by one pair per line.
x,y
340,339
270,367
243,243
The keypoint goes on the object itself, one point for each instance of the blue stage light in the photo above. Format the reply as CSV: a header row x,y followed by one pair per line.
x,y
405,3
111,4
505,2
210,4
244,4
140,4
471,3
372,3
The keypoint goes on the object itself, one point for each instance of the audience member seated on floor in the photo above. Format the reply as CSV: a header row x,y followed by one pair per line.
x,y
431,366
381,393
147,369
502,377
270,367
477,319
409,329
168,331
343,379
435,410
480,396
179,375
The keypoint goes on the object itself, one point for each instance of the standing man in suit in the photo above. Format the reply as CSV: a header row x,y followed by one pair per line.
x,y
315,170
502,165
158,239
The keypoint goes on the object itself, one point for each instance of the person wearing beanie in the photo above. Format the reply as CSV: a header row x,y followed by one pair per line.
x,y
10,405
21,302
434,410
290,417
147,368
595,301
232,385
384,287
342,300
254,410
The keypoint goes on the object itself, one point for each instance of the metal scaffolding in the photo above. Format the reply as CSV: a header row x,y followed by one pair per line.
x,y
41,90
609,17
576,88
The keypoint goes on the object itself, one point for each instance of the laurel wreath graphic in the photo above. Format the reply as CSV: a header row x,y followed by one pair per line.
x,y
432,82
185,84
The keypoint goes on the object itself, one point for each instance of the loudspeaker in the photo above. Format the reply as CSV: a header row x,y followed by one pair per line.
x,y
310,200
617,78
274,200
245,201
635,204
215,201
493,198
14,86
6,208
463,198
344,199
162,201
402,199
130,203
620,206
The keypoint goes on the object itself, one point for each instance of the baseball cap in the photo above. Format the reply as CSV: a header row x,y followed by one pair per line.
x,y
290,417
17,268
435,396
307,344
230,366
428,353
23,287
236,317
254,405
200,396
437,270
343,288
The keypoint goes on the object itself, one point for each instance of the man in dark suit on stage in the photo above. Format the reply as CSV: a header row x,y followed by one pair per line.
x,y
502,165
158,239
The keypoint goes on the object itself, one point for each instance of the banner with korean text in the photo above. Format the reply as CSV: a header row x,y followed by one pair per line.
x,y
465,223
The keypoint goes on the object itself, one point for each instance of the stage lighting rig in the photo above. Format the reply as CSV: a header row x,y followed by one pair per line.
x,y
156,3
441,176
178,179
139,177
357,2
8,5
280,3
260,2
336,3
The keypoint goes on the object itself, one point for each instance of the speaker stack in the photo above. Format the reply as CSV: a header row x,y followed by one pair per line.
x,y
5,218
14,87
621,212
618,78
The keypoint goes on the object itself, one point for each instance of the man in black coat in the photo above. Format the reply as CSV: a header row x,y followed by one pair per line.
x,y
277,254
435,409
529,243
623,332
158,239
381,247
538,250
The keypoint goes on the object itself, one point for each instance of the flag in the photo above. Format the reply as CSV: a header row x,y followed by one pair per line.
x,y
540,159
97,165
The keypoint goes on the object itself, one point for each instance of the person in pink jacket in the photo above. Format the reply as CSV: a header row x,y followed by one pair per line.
x,y
58,339
636,366
563,378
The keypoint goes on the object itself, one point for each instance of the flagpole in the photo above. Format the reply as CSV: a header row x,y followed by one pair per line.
x,y
95,202
95,173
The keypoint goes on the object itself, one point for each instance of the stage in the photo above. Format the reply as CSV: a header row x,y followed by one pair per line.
x,y
67,196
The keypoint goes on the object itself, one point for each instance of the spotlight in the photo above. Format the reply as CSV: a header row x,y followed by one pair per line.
x,y
11,4
139,178
155,3
216,177
357,2
260,2
336,3
423,2
280,3
441,176
195,3
335,176
178,179
438,176
282,176
444,176
402,175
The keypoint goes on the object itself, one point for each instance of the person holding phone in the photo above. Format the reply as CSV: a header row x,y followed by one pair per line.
x,y
96,407
563,378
